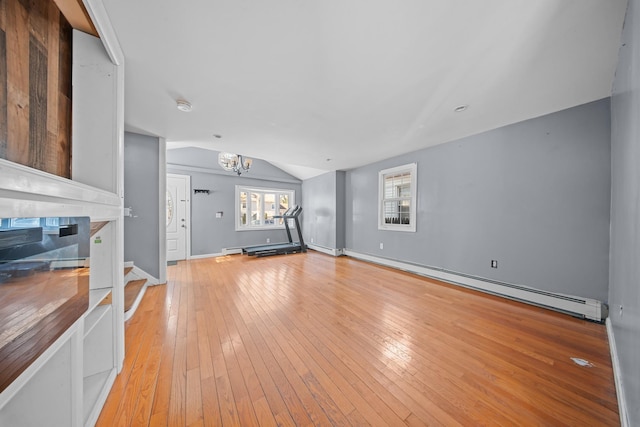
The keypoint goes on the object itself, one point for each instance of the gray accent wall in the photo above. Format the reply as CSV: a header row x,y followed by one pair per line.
x,y
324,215
624,286
142,194
341,209
535,196
210,235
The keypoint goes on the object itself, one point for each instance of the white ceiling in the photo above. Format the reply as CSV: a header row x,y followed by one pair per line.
x,y
356,81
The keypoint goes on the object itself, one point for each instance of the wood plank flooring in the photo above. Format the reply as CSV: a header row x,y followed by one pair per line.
x,y
309,339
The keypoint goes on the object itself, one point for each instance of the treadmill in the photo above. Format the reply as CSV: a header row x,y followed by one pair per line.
x,y
289,247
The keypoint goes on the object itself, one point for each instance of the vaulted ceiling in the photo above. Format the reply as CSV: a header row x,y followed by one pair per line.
x,y
325,85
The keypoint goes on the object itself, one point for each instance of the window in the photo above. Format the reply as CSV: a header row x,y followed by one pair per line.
x,y
397,198
25,222
257,207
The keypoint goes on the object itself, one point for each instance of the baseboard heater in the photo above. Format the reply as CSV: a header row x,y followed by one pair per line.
x,y
581,307
325,250
231,251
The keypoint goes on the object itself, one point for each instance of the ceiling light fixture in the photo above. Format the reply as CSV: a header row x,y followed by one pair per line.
x,y
461,108
184,105
234,162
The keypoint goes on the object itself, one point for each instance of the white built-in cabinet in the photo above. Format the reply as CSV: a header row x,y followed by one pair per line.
x,y
68,384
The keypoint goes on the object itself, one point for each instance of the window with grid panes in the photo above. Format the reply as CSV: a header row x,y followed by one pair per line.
x,y
397,198
257,207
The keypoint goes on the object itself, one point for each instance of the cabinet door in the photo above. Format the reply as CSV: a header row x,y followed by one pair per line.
x,y
47,398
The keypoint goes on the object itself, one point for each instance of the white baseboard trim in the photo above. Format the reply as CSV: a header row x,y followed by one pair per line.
x,y
617,376
231,251
225,251
152,281
325,250
206,256
586,307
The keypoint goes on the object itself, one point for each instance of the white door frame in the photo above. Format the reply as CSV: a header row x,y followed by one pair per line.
x,y
187,221
187,214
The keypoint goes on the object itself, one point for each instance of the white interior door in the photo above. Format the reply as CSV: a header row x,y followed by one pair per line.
x,y
178,218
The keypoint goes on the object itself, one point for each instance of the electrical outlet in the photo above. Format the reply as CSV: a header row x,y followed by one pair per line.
x,y
494,263
312,240
381,245
268,240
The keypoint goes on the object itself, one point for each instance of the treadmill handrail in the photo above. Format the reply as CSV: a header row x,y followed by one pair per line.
x,y
287,212
290,213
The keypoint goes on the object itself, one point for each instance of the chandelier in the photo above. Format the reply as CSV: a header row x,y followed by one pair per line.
x,y
234,162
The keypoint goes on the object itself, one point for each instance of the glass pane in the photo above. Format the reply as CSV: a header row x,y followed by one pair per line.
x,y
404,208
398,185
388,187
52,222
243,208
390,212
269,208
284,205
404,186
169,208
256,209
405,219
25,222
397,212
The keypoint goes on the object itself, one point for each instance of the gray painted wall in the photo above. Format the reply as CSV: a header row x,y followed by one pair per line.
x,y
324,207
209,235
624,287
341,201
533,195
141,192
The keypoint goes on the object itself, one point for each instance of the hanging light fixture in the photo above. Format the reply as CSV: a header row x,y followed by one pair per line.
x,y
234,162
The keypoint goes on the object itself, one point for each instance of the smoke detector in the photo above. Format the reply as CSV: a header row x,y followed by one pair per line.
x,y
184,106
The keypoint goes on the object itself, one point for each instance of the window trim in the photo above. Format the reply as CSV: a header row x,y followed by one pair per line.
x,y
412,168
262,190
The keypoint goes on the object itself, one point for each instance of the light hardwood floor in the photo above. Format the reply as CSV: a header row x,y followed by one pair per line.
x,y
309,339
